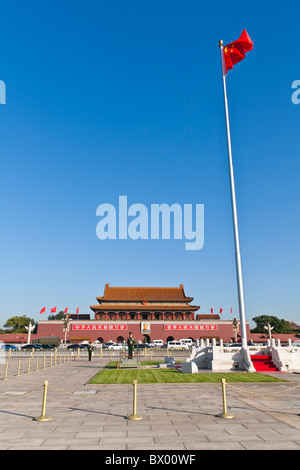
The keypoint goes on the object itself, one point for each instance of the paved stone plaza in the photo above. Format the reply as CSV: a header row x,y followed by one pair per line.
x,y
175,417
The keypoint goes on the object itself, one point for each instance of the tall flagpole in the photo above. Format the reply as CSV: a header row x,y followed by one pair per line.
x,y
234,212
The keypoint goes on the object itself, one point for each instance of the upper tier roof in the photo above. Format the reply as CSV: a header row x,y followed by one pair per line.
x,y
140,294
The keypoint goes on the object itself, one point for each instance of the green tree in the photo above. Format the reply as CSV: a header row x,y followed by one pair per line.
x,y
17,324
59,316
280,326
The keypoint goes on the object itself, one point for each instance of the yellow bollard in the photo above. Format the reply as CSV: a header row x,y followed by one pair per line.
x,y
37,364
6,371
44,362
51,360
9,353
19,369
43,416
134,415
28,370
224,414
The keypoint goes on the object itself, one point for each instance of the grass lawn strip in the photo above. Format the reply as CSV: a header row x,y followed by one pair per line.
x,y
111,375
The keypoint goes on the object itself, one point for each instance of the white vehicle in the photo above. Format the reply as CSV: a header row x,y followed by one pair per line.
x,y
187,341
296,343
156,343
115,347
177,345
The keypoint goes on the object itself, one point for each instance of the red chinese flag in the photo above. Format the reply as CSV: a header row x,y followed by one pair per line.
x,y
221,310
77,310
43,310
211,310
66,310
231,310
235,51
53,310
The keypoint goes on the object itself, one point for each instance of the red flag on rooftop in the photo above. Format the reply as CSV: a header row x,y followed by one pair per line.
x,y
211,310
66,310
221,310
53,310
235,51
43,310
77,310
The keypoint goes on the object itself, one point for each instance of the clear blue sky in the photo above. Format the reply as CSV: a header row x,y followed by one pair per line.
x,y
125,98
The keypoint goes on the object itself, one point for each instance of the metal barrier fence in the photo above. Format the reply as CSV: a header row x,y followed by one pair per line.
x,y
134,415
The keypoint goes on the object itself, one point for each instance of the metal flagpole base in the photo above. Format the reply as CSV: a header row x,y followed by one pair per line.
x,y
225,415
43,418
135,417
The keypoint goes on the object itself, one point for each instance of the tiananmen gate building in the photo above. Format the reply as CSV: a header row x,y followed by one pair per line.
x,y
148,312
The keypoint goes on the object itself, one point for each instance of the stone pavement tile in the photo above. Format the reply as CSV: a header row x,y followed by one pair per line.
x,y
169,440
154,433
13,434
214,446
224,436
156,448
57,447
93,434
120,435
272,435
86,426
24,442
282,445
79,442
138,441
114,428
164,427
99,447
254,424
138,425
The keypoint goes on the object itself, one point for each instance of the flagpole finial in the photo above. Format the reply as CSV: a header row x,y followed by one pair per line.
x,y
221,42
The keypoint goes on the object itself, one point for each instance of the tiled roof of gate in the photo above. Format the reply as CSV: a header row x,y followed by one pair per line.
x,y
140,294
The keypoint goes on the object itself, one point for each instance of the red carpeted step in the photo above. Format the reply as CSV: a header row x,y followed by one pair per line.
x,y
263,363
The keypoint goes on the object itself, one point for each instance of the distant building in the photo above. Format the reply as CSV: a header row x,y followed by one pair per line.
x,y
294,326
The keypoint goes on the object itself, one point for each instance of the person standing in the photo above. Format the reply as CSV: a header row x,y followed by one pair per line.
x,y
90,350
130,344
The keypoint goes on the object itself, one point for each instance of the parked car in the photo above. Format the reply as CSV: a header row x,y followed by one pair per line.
x,y
156,343
177,345
115,347
77,346
9,346
106,345
31,346
48,346
143,345
187,341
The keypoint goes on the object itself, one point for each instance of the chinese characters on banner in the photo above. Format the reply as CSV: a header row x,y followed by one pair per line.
x,y
99,327
190,327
